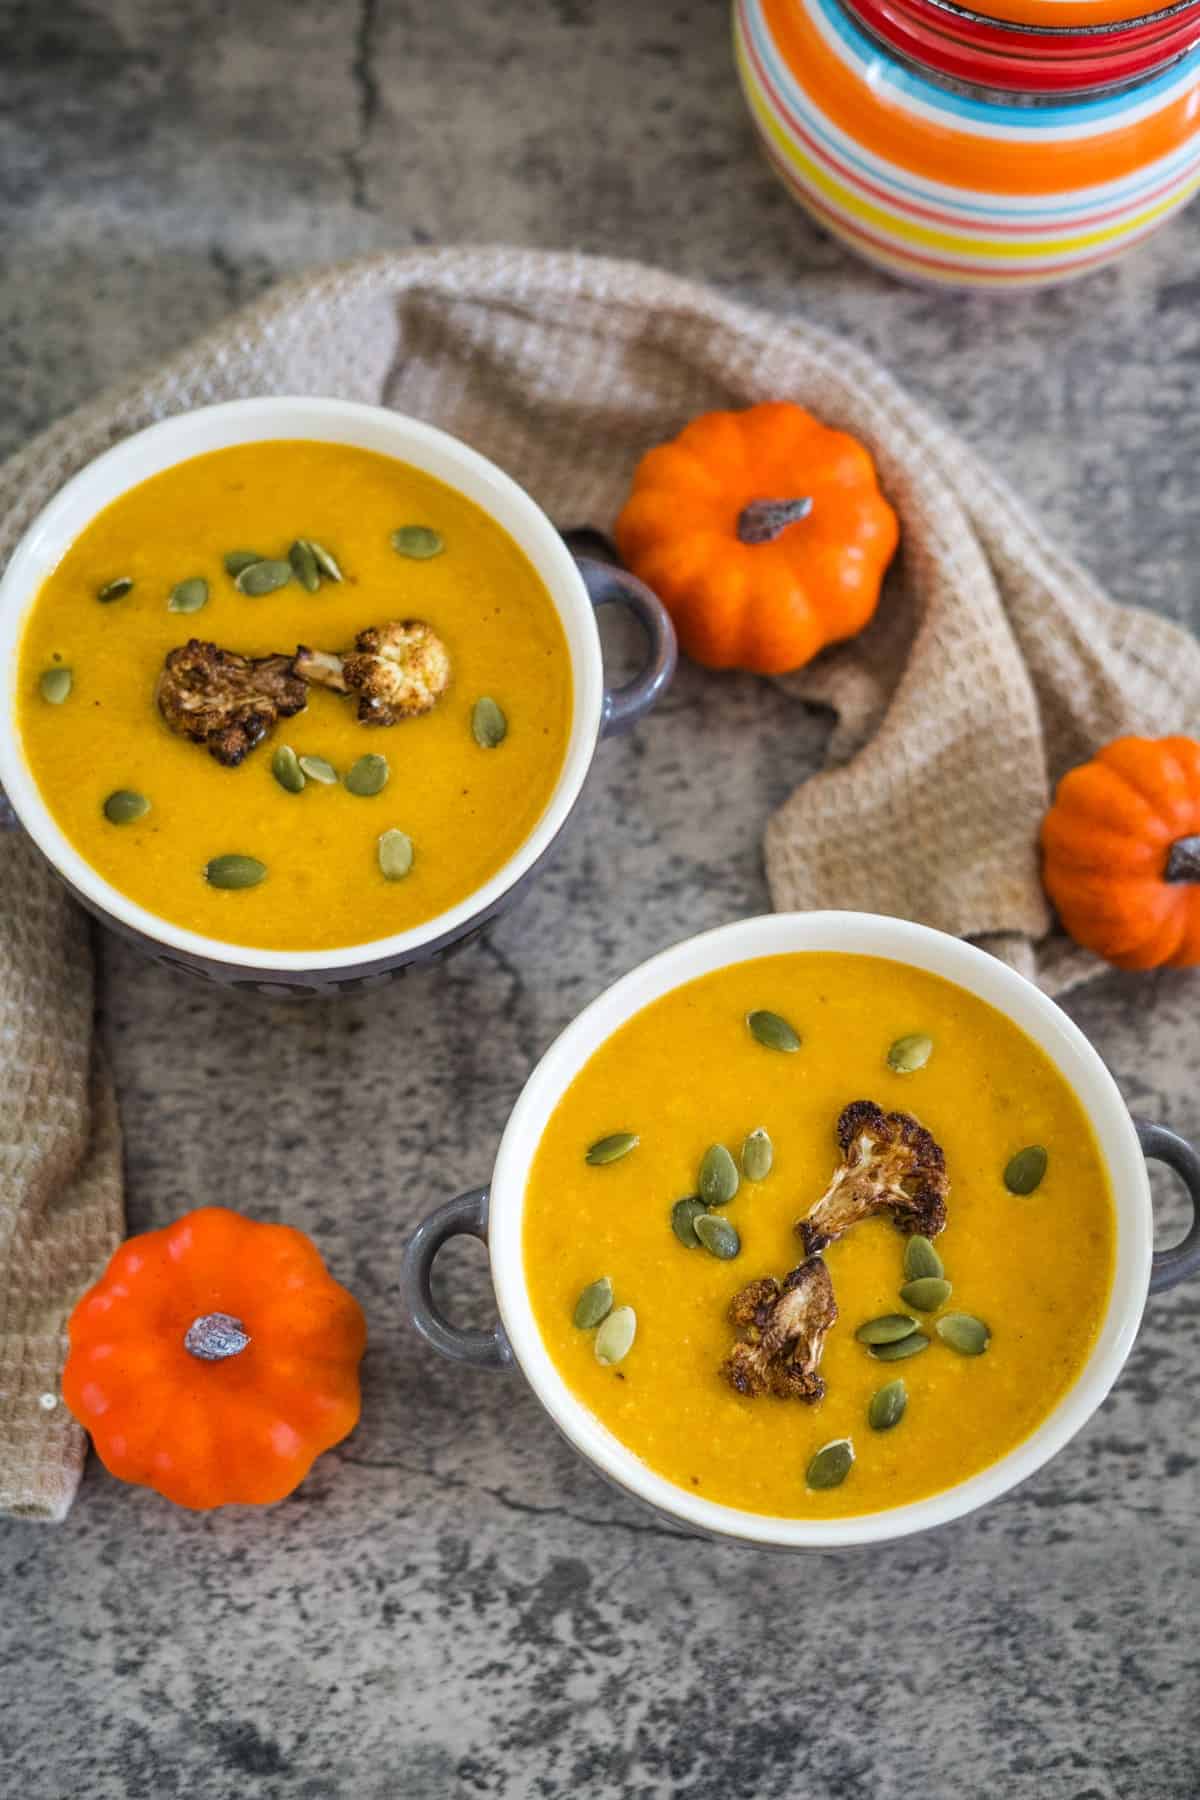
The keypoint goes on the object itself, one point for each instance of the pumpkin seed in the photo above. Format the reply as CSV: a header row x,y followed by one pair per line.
x,y
263,577
235,872
1026,1169
325,560
125,807
115,589
831,1465
614,1340
887,1406
718,1176
55,685
910,1053
684,1214
717,1235
758,1153
772,1032
304,565
237,560
285,767
921,1260
418,541
489,726
964,1333
903,1348
395,855
368,776
594,1304
317,769
612,1148
188,596
926,1294
886,1330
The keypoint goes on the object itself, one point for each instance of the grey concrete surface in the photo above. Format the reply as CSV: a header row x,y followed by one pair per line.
x,y
452,1605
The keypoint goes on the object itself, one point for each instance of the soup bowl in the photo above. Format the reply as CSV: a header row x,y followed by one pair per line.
x,y
577,587
495,1214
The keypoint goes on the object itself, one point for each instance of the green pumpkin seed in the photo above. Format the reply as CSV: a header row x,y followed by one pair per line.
x,y
235,872
964,1333
921,1260
886,1330
115,589
238,560
758,1153
899,1351
188,596
910,1053
368,776
1026,1169
717,1235
594,1304
317,769
772,1032
125,807
418,541
264,577
325,560
304,565
614,1340
831,1465
718,1176
285,767
887,1406
489,726
684,1214
395,853
612,1148
927,1293
55,685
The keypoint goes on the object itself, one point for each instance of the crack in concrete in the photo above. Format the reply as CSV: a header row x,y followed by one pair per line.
x,y
366,89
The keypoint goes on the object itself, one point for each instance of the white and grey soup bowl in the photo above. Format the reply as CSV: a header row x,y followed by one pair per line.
x,y
577,586
494,1213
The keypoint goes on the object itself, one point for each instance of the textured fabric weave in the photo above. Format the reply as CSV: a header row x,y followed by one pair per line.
x,y
993,665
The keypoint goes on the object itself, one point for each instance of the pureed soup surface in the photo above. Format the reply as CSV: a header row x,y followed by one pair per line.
x,y
465,809
685,1073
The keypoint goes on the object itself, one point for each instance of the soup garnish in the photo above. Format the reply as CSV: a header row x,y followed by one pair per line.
x,y
890,1164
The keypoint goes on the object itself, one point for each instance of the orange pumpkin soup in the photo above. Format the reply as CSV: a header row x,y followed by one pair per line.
x,y
1012,1291
324,856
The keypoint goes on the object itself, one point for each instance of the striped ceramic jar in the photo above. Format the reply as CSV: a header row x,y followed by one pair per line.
x,y
1015,150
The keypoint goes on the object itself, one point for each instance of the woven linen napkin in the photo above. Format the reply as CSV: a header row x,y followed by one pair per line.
x,y
994,663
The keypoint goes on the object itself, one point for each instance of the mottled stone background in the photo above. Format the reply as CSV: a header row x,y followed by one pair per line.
x,y
452,1605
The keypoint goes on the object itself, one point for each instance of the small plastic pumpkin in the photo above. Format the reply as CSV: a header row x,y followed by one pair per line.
x,y
763,532
215,1360
1121,852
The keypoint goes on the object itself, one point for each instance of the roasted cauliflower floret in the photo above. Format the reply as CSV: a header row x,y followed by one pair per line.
x,y
890,1164
226,701
396,671
785,1329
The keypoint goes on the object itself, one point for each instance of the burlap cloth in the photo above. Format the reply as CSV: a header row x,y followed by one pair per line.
x,y
993,665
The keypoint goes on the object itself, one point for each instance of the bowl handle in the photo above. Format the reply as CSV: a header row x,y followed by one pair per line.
x,y
1182,1259
608,585
465,1217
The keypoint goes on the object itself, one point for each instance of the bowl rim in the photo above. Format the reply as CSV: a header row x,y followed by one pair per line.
x,y
261,418
897,940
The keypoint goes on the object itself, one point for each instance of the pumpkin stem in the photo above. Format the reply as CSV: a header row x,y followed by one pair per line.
x,y
762,521
1183,860
214,1336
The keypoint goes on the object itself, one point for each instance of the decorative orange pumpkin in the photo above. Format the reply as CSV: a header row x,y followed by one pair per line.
x,y
1121,852
215,1360
763,532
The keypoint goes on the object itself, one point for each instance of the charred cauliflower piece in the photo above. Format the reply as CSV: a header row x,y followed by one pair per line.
x,y
397,671
785,1330
890,1164
226,701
